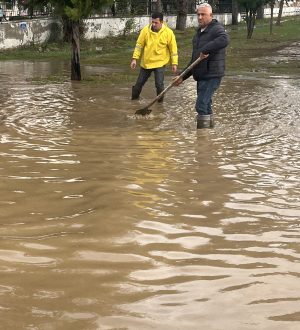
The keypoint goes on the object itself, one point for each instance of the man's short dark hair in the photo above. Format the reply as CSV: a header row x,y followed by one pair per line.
x,y
158,15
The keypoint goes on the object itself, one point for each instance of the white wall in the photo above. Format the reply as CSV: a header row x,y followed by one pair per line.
x,y
97,28
287,11
38,31
22,33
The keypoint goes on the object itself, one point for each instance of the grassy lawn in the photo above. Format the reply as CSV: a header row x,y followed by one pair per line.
x,y
241,51
115,52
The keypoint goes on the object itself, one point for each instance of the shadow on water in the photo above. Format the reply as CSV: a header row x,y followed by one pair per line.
x,y
111,222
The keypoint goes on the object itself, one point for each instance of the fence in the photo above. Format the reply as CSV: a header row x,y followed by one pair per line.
x,y
120,8
15,10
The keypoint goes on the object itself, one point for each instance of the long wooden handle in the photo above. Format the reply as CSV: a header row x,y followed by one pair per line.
x,y
190,67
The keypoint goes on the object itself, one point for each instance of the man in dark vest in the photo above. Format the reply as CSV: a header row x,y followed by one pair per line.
x,y
210,40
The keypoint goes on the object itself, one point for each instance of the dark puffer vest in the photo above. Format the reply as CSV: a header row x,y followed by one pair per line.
x,y
213,41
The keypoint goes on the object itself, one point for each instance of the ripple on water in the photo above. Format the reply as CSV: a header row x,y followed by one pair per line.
x,y
21,257
148,223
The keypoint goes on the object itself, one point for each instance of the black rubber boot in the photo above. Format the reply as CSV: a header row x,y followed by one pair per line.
x,y
203,121
135,93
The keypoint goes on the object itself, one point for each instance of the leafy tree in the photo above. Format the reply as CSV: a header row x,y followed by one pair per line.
x,y
73,12
251,7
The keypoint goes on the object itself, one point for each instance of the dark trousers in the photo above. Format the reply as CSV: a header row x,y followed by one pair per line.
x,y
159,75
205,91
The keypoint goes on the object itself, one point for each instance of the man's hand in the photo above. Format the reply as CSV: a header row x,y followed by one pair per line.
x,y
174,68
177,81
133,64
203,56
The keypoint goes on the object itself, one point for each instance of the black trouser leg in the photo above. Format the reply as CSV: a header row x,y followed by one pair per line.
x,y
159,75
141,80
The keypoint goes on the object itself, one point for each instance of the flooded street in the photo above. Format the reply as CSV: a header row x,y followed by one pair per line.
x,y
109,222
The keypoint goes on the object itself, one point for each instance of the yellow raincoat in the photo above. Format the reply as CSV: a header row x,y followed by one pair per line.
x,y
156,49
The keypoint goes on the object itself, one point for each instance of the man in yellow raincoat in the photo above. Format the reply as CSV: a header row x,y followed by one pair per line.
x,y
156,47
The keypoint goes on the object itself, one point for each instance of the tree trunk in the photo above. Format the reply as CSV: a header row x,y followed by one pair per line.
x,y
272,16
75,60
260,12
250,20
158,6
30,10
235,12
67,29
181,14
280,12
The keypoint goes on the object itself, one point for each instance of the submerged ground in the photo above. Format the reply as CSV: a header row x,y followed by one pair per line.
x,y
108,222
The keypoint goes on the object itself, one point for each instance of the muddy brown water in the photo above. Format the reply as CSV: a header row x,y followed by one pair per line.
x,y
109,222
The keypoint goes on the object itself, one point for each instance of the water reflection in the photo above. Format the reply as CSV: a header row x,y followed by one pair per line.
x,y
110,222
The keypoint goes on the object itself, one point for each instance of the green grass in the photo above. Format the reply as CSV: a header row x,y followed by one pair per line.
x,y
38,52
115,52
241,51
